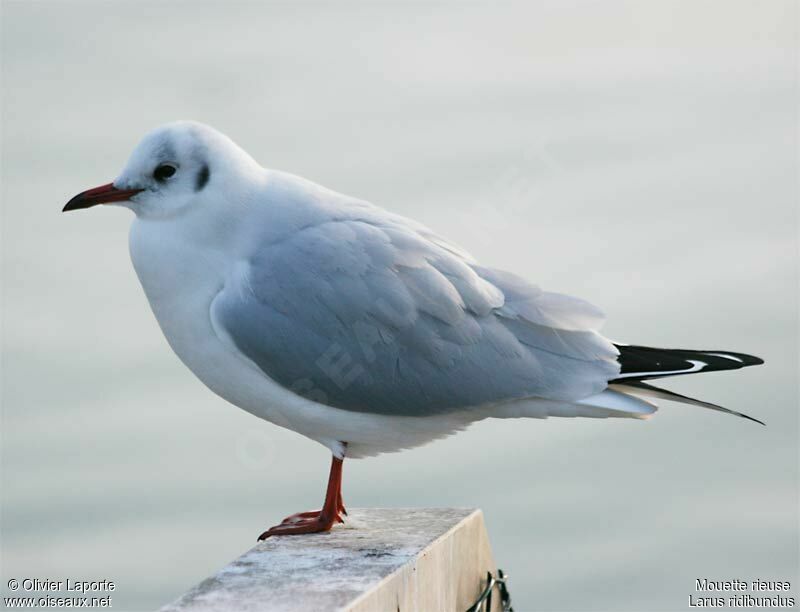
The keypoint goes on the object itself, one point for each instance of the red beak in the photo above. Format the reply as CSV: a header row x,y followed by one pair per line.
x,y
100,195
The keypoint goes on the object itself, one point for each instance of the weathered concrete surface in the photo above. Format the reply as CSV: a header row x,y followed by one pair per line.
x,y
426,559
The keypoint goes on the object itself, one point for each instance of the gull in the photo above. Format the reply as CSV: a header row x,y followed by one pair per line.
x,y
354,326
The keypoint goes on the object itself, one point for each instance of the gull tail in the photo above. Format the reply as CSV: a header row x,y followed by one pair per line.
x,y
640,363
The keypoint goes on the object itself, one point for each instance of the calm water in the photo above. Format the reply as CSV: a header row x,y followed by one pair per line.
x,y
640,155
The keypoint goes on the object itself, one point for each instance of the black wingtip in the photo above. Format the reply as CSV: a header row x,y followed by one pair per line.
x,y
747,416
645,362
747,360
752,360
648,389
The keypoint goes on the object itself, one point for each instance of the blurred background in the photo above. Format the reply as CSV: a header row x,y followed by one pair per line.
x,y
642,155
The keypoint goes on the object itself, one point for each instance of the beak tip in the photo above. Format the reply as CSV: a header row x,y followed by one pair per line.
x,y
76,203
99,195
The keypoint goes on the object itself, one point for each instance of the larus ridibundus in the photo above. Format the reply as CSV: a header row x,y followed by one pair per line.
x,y
354,326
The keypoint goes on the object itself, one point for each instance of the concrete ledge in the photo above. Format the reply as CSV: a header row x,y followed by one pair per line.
x,y
382,559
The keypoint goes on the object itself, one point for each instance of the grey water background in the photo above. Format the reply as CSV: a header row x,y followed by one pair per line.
x,y
642,155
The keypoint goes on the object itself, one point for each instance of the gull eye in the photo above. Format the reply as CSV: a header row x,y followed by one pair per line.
x,y
163,172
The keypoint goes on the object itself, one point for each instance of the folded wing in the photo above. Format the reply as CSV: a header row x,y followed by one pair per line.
x,y
385,317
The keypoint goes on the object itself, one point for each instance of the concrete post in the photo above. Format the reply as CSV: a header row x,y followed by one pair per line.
x,y
425,559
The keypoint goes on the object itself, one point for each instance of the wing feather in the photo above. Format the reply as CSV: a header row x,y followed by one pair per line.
x,y
385,317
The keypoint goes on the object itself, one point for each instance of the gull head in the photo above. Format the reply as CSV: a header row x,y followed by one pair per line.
x,y
173,170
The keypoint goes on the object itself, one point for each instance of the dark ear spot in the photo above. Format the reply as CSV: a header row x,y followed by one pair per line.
x,y
202,178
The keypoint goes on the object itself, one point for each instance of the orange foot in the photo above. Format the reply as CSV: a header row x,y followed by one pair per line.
x,y
307,522
316,520
303,522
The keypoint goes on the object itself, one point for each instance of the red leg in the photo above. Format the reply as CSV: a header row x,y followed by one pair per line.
x,y
319,520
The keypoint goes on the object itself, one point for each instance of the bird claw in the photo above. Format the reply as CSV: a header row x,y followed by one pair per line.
x,y
294,518
303,522
299,516
315,521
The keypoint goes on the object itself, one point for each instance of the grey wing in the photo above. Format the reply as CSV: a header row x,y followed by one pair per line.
x,y
382,319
